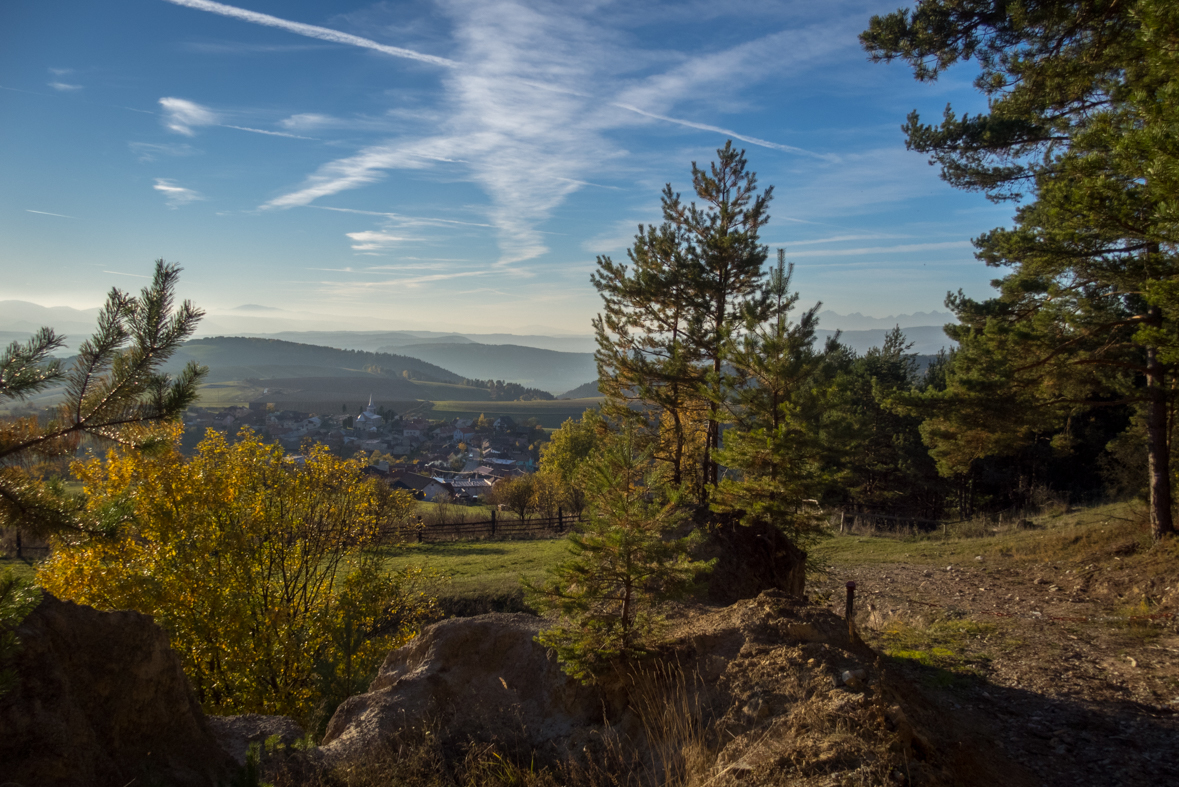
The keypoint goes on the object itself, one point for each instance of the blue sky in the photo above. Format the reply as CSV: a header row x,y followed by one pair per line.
x,y
455,164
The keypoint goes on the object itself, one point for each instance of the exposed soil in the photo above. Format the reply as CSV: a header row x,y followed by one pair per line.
x,y
1064,668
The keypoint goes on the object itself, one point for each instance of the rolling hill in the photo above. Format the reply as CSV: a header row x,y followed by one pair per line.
x,y
584,391
548,370
239,358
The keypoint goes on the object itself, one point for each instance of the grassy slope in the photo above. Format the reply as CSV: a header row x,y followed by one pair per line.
x,y
1078,534
482,568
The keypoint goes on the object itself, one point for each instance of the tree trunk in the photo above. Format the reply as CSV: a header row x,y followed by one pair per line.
x,y
1158,451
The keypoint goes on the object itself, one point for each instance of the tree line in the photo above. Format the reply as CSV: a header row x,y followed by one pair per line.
x,y
1067,370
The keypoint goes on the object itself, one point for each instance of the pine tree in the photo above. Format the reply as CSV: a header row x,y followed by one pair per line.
x,y
1080,120
724,246
777,394
887,467
114,393
623,564
693,284
643,354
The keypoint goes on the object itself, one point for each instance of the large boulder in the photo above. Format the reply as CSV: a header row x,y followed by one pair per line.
x,y
466,675
101,700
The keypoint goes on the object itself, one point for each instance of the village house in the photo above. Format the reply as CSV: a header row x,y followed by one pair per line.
x,y
423,486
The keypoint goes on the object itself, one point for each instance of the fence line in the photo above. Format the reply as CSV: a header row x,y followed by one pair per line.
x,y
848,519
494,528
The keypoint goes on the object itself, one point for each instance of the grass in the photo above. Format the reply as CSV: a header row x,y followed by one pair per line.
x,y
482,568
473,513
1077,536
949,646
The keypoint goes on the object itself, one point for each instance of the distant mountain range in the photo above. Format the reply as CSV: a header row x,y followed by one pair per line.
x,y
832,321
551,363
926,339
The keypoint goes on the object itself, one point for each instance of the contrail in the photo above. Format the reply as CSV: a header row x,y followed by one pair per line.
x,y
47,213
311,31
751,140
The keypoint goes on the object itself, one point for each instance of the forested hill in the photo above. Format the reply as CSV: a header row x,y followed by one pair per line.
x,y
583,391
239,358
548,370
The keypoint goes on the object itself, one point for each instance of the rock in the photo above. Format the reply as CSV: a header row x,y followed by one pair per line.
x,y
101,700
236,733
978,558
853,678
466,676
756,709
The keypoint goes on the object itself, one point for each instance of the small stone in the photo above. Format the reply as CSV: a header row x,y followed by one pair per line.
x,y
978,558
854,677
756,709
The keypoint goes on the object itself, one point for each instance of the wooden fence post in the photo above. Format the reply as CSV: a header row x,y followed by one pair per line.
x,y
493,523
851,603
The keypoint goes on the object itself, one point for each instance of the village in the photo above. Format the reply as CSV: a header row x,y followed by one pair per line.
x,y
457,460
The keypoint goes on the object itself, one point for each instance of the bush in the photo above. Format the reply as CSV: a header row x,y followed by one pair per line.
x,y
256,566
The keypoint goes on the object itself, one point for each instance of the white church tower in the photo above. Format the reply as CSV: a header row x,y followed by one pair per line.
x,y
369,418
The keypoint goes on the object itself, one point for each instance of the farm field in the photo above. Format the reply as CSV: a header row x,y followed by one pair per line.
x,y
490,569
548,414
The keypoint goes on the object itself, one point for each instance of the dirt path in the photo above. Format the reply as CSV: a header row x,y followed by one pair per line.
x,y
1047,660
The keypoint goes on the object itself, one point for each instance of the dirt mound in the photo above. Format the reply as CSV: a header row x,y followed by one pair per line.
x,y
766,691
102,700
789,697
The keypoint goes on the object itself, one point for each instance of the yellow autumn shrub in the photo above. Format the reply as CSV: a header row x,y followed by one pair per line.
x,y
260,568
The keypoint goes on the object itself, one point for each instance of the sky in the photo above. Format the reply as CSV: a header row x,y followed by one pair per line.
x,y
453,164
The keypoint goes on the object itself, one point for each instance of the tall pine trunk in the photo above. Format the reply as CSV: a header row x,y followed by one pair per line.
x,y
1157,445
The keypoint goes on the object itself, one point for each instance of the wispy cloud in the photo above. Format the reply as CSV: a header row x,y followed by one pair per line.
x,y
311,31
904,248
410,282
403,220
264,131
530,102
375,241
150,151
176,195
60,72
181,115
834,239
47,213
64,87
